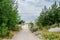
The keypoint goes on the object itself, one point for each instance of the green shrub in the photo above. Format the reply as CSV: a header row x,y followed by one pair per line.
x,y
50,36
3,30
0,38
17,28
49,16
10,34
8,17
34,29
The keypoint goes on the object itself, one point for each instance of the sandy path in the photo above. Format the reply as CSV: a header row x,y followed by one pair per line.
x,y
25,34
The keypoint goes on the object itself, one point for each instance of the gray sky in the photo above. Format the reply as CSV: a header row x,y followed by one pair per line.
x,y
29,10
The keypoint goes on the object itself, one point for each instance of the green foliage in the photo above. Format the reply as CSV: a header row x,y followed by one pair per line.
x,y
32,27
49,16
4,30
8,17
50,36
18,28
0,38
21,22
10,35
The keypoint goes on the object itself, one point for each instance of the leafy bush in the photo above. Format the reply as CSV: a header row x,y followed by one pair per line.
x,y
49,16
4,30
32,27
50,36
8,17
10,34
18,28
0,38
21,22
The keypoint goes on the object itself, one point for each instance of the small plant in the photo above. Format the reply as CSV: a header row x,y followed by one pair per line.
x,y
50,36
18,28
0,38
3,30
10,34
34,29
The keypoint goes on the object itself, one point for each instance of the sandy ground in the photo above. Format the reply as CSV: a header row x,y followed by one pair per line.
x,y
25,34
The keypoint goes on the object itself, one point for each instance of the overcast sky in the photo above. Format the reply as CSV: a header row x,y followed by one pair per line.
x,y
29,10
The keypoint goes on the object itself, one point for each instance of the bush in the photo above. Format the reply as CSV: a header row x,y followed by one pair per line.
x,y
10,34
21,22
18,28
50,36
49,16
8,17
0,38
4,30
34,29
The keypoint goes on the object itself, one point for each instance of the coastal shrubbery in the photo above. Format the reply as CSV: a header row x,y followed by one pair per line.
x,y
49,16
8,18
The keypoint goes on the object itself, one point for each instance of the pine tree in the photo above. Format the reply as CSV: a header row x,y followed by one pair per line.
x,y
8,16
49,16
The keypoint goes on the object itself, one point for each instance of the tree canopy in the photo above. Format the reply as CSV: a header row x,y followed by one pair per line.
x,y
8,16
49,16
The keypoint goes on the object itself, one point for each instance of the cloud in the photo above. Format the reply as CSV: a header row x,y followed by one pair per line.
x,y
53,0
29,10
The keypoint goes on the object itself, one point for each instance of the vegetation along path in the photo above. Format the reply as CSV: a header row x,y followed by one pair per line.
x,y
25,34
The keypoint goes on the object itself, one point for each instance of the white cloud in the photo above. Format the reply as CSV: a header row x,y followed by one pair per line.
x,y
29,10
